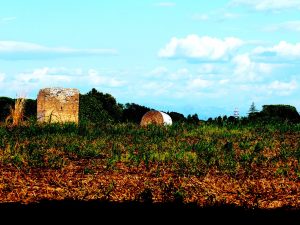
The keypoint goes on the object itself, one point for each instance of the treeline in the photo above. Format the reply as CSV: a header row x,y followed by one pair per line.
x,y
276,113
269,114
97,107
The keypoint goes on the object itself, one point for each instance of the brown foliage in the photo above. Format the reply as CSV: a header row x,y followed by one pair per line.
x,y
132,183
17,113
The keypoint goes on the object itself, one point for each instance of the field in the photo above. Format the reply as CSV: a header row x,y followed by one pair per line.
x,y
250,166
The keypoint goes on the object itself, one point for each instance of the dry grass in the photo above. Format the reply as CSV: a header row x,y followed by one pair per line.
x,y
16,115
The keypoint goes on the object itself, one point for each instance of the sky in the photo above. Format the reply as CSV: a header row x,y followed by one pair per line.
x,y
192,56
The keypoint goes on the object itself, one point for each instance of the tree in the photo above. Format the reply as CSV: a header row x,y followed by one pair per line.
x,y
280,113
176,117
90,109
193,118
252,109
30,109
219,120
98,107
209,120
133,112
232,119
5,105
275,113
109,104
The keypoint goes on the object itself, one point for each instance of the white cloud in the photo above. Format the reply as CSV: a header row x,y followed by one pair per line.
x,y
224,81
268,5
183,71
286,26
27,82
96,79
2,77
216,16
275,88
7,19
180,74
156,85
65,71
32,81
159,71
228,15
166,4
282,88
13,50
199,83
206,68
201,17
246,70
43,76
154,88
52,72
203,48
283,51
164,73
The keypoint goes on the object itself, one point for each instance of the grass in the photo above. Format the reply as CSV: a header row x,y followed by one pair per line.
x,y
16,115
188,148
114,152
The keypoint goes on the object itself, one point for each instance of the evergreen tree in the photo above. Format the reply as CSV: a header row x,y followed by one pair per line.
x,y
252,108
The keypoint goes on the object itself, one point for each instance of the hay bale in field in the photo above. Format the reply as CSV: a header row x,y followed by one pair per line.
x,y
58,105
156,117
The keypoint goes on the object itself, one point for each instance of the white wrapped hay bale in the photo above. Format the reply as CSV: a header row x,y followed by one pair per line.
x,y
156,117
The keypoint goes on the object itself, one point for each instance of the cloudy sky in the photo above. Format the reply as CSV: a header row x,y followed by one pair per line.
x,y
204,57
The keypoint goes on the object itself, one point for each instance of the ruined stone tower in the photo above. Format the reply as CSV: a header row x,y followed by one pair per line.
x,y
58,105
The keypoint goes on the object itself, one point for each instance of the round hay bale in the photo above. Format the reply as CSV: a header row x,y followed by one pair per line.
x,y
156,117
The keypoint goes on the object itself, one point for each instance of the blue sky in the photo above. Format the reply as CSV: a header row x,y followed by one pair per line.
x,y
204,57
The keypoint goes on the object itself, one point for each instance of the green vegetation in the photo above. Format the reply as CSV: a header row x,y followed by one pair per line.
x,y
186,148
275,113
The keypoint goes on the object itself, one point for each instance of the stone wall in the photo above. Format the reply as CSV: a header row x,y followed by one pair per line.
x,y
58,105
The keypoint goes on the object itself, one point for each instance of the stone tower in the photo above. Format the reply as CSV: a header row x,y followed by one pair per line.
x,y
58,105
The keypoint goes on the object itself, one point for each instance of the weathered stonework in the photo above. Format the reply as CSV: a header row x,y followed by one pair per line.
x,y
58,105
